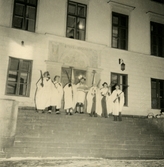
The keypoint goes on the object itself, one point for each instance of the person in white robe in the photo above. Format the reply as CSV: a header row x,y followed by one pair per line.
x,y
43,92
69,98
94,101
82,89
58,94
117,102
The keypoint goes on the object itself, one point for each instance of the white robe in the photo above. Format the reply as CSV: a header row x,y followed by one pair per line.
x,y
43,94
90,100
58,94
69,96
118,104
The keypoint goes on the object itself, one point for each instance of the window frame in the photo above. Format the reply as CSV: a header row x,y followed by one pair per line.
x,y
160,45
118,82
18,82
76,16
158,91
24,17
120,27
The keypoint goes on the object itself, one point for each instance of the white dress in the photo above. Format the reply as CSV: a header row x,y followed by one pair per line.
x,y
58,94
69,96
43,94
117,103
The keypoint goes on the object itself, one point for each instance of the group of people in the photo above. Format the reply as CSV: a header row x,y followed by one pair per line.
x,y
78,98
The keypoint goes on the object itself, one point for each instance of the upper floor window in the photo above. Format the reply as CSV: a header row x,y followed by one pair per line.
x,y
76,20
157,39
160,1
119,31
122,81
19,77
157,94
24,14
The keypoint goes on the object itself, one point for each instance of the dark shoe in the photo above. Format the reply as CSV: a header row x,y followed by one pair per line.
x,y
70,113
90,115
57,112
81,112
76,112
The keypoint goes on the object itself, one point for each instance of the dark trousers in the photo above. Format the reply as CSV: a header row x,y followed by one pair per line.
x,y
104,108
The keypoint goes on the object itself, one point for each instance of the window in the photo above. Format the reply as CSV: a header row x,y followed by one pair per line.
x,y
160,1
157,39
119,31
19,77
66,72
157,94
76,20
122,80
24,14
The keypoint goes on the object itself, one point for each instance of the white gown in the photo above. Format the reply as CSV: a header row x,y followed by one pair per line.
x,y
43,94
118,104
69,96
58,94
81,94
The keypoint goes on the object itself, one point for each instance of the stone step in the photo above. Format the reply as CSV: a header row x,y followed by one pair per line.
x,y
51,135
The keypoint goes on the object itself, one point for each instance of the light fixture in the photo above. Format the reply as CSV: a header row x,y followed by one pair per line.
x,y
122,64
22,43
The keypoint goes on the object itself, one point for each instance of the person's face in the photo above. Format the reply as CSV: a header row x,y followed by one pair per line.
x,y
117,87
82,81
57,79
105,85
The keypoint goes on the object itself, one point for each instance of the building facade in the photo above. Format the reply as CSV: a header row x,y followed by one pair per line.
x,y
85,36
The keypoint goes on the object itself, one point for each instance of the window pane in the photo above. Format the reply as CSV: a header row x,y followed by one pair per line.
x,y
70,32
154,103
19,9
18,22
122,44
30,12
81,24
13,76
23,89
23,77
14,64
115,31
123,21
30,25
25,66
72,9
71,21
123,33
81,11
115,20
115,42
80,35
32,2
11,88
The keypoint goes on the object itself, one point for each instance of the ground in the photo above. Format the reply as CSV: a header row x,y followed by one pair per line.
x,y
79,163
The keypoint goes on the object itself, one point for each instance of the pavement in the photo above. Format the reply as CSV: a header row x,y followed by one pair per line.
x,y
79,163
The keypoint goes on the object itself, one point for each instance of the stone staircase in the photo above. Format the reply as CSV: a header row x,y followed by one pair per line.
x,y
81,136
